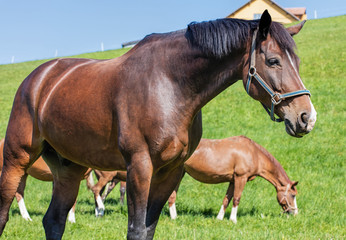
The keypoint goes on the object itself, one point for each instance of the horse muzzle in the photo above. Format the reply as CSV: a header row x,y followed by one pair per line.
x,y
302,125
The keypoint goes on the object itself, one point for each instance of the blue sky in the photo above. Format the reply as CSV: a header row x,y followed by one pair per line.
x,y
39,29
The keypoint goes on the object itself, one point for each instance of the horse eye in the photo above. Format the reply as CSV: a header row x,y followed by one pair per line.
x,y
273,61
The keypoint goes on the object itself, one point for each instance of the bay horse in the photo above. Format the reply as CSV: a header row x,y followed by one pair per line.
x,y
40,171
237,160
144,107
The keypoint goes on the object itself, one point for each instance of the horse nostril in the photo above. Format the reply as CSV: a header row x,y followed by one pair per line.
x,y
304,117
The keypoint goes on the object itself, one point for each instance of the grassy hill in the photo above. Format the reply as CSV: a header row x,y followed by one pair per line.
x,y
317,161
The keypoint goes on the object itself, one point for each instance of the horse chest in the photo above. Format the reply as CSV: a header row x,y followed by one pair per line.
x,y
182,144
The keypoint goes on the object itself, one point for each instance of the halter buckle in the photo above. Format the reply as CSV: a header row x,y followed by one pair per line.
x,y
252,71
278,97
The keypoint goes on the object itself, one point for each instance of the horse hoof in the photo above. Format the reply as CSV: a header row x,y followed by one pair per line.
x,y
99,212
27,219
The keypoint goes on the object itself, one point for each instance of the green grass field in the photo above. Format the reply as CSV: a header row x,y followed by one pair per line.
x,y
317,160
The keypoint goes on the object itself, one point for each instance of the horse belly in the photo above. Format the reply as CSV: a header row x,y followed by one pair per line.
x,y
88,143
209,177
208,166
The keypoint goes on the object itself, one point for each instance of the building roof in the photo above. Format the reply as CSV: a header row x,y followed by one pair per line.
x,y
297,10
269,2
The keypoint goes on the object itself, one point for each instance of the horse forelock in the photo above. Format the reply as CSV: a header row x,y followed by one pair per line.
x,y
282,37
220,37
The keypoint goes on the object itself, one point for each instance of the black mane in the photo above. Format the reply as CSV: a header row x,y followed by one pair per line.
x,y
220,37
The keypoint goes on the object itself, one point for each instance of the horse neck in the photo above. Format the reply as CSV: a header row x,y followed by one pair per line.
x,y
206,77
196,77
272,170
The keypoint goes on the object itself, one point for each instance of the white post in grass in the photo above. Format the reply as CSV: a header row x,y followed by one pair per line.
x,y
56,53
315,14
102,48
12,60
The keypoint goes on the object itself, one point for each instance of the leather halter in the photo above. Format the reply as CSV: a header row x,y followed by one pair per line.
x,y
276,98
289,207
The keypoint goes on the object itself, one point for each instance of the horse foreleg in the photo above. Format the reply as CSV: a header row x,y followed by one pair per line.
x,y
139,173
160,190
226,201
67,177
239,184
20,198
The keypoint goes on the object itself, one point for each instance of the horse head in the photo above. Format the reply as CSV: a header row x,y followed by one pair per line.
x,y
286,196
273,76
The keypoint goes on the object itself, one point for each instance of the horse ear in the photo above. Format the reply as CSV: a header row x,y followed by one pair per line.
x,y
294,183
264,24
293,30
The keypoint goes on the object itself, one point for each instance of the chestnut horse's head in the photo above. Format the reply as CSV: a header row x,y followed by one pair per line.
x,y
273,76
287,198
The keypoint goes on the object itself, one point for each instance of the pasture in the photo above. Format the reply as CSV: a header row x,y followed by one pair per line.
x,y
317,160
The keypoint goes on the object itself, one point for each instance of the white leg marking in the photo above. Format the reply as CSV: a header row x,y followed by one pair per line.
x,y
233,217
100,208
221,213
23,210
71,216
105,191
296,206
91,179
173,211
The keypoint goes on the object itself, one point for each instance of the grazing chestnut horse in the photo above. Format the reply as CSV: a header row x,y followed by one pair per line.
x,y
237,160
144,108
107,180
40,171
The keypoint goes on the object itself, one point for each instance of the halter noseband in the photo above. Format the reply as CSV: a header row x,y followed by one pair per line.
x,y
276,98
285,198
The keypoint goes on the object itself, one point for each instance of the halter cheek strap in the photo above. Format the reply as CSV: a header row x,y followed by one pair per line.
x,y
285,198
276,98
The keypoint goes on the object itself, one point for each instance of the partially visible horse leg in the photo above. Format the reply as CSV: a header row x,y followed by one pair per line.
x,y
71,213
20,198
171,205
160,190
90,180
67,177
239,184
122,192
171,201
226,201
96,189
109,188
